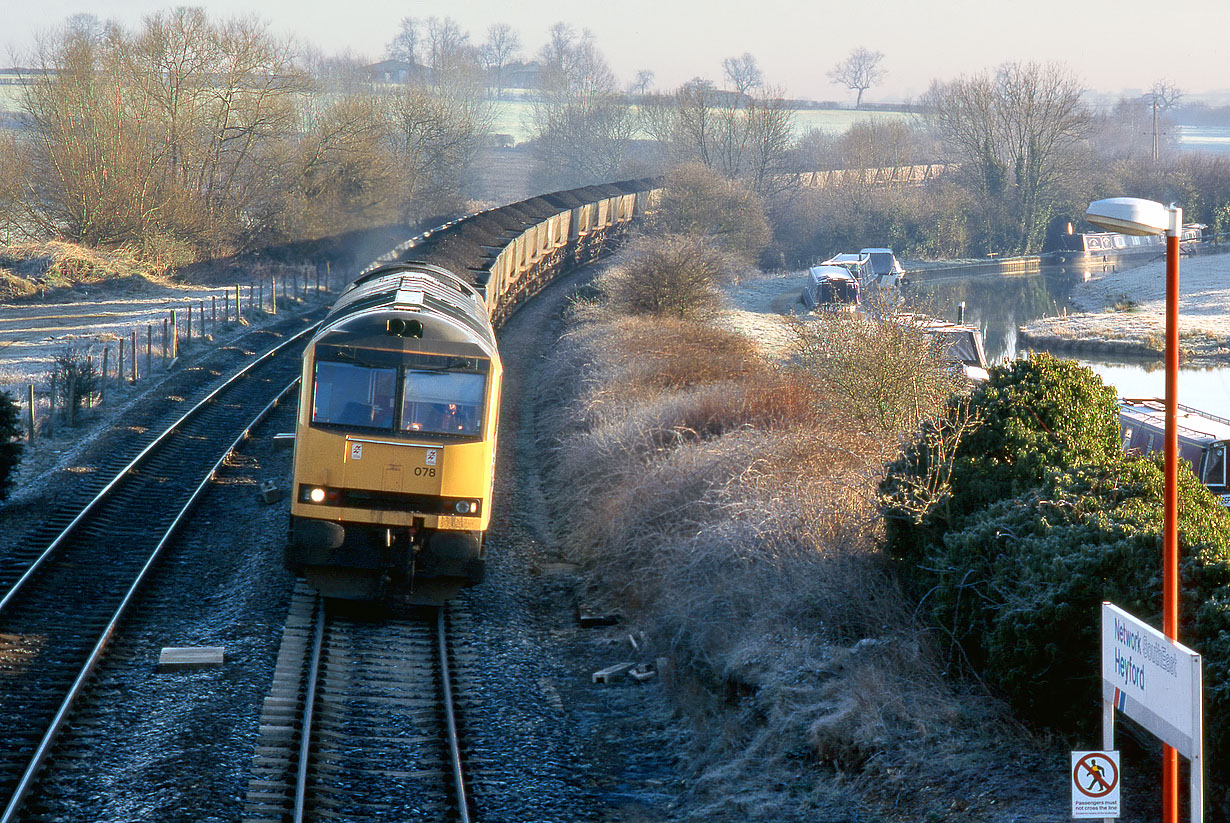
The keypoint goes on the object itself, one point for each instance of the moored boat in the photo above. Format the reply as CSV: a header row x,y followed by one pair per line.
x,y
1203,438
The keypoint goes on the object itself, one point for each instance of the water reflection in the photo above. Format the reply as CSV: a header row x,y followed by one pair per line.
x,y
999,304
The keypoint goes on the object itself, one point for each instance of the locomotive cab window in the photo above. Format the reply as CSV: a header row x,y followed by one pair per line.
x,y
348,394
443,402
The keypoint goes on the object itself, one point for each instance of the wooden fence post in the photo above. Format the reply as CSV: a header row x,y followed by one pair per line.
x,y
119,371
273,291
51,412
33,416
134,357
149,349
102,382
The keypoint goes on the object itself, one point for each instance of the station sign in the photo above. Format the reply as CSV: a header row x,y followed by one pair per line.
x,y
1152,679
1155,681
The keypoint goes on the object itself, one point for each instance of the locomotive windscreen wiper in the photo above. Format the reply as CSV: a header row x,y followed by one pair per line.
x,y
448,365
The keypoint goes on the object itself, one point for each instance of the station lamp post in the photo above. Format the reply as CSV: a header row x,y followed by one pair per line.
x,y
1132,215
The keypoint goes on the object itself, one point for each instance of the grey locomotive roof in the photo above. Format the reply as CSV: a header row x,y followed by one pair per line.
x,y
432,293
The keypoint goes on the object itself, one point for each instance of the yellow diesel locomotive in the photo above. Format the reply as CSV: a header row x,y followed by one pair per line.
x,y
395,439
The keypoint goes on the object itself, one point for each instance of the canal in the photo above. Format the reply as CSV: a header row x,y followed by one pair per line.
x,y
999,304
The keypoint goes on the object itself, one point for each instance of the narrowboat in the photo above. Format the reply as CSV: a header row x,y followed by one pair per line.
x,y
1202,438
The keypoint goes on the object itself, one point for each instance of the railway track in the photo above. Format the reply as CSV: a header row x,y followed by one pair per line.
x,y
360,722
142,423
58,617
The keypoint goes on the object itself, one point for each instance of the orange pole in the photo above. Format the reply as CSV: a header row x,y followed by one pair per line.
x,y
1170,532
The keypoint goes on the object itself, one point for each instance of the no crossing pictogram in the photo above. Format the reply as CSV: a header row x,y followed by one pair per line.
x,y
1095,775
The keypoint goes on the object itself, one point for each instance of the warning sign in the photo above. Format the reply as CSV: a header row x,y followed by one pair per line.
x,y
356,451
1095,784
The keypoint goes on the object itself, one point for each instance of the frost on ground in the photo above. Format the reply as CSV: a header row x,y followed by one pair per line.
x,y
758,302
33,332
1126,308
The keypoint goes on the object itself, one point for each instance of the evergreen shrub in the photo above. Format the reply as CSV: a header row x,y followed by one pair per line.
x,y
10,443
1045,518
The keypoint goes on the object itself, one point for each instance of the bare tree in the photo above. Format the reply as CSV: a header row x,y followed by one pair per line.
x,y
1015,133
436,134
859,71
345,174
501,46
172,136
405,44
562,39
581,125
335,73
641,83
1165,95
447,47
743,73
871,144
698,201
746,140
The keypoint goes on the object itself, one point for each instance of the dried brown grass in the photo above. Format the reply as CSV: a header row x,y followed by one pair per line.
x,y
731,509
25,268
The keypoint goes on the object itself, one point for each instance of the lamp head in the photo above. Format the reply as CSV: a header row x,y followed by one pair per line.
x,y
1129,215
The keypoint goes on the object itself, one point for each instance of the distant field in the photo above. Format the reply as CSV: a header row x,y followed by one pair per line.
x,y
513,116
8,93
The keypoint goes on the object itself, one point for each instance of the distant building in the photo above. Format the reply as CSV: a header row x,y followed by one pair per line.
x,y
520,75
398,72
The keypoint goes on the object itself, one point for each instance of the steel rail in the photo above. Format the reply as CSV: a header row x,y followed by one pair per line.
x,y
309,709
459,785
145,453
57,723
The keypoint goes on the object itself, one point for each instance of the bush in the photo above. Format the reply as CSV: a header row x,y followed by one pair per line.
x,y
699,201
729,510
10,443
672,275
1035,417
1045,518
887,372
75,377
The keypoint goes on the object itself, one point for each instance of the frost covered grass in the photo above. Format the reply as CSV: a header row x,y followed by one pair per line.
x,y
1125,310
730,508
27,268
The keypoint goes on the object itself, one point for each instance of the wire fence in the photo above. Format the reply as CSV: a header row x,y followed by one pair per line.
x,y
86,376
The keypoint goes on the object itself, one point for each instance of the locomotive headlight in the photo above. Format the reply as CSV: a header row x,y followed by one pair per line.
x,y
316,495
466,506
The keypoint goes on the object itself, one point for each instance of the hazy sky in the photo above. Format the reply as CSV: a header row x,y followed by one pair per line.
x,y
1112,45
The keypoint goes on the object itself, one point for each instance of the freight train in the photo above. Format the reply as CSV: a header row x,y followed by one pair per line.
x,y
395,436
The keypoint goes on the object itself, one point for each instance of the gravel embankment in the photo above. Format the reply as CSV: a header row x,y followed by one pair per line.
x,y
547,742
